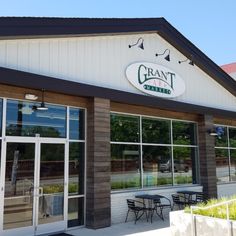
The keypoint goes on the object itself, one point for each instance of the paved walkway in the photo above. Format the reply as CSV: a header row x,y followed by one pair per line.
x,y
158,227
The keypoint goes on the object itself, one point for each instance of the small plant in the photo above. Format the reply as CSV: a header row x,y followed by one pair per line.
x,y
217,211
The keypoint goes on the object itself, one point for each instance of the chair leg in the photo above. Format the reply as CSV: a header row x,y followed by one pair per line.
x,y
136,216
127,216
146,215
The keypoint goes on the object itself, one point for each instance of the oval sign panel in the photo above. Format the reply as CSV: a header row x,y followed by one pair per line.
x,y
155,79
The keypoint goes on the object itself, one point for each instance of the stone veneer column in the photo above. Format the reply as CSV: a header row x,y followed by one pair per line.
x,y
207,157
98,197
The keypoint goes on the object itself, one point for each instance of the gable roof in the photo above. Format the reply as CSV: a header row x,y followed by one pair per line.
x,y
36,27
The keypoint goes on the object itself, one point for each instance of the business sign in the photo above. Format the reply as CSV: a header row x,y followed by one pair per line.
x,y
155,79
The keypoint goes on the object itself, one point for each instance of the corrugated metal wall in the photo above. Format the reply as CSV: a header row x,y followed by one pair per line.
x,y
102,61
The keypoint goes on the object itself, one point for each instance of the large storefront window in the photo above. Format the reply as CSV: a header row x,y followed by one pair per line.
x,y
225,149
150,152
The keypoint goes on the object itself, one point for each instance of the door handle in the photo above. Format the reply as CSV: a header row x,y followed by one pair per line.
x,y
40,191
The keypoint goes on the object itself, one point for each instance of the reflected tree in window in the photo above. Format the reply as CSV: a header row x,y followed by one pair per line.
x,y
156,131
232,137
125,166
124,128
184,133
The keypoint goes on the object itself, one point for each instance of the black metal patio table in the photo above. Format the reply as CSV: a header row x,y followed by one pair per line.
x,y
188,195
156,200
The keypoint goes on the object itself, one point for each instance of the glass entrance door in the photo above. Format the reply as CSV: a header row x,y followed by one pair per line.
x,y
19,186
51,188
34,187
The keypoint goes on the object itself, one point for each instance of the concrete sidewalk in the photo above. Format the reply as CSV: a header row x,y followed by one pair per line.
x,y
141,228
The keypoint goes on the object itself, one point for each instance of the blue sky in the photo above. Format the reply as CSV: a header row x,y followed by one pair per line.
x,y
209,24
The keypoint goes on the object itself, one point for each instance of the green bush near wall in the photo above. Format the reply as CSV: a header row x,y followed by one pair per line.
x,y
59,188
219,211
150,181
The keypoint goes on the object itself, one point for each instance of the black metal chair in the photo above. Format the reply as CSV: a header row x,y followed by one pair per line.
x,y
136,207
198,199
180,201
159,205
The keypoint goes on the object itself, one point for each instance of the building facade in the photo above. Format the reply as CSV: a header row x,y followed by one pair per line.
x,y
94,111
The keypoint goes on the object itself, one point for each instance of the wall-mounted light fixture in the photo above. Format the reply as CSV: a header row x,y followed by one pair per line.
x,y
42,106
190,61
139,43
167,57
30,96
216,131
212,132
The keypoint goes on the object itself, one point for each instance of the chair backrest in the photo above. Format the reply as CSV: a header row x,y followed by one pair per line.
x,y
131,203
175,198
157,201
199,197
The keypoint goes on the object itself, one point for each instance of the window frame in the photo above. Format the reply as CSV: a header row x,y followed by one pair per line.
x,y
171,145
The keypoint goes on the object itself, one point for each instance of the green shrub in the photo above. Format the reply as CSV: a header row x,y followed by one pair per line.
x,y
218,211
55,188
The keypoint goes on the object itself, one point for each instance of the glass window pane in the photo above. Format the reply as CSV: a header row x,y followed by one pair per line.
x,y
76,169
24,120
75,212
185,165
76,123
232,137
156,166
156,131
233,164
124,128
19,185
51,202
222,165
125,166
184,133
221,140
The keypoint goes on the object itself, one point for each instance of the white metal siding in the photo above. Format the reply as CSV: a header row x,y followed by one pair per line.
x,y
102,61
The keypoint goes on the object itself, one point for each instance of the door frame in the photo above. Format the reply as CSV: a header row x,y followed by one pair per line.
x,y
35,229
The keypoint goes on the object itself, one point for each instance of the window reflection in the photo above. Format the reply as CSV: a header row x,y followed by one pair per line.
x,y
76,168
51,183
184,133
156,131
19,183
222,165
157,169
232,137
76,123
184,161
226,154
75,212
221,141
24,120
124,128
125,166
158,152
233,164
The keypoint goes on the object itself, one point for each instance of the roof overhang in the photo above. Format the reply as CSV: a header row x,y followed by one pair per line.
x,y
35,81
